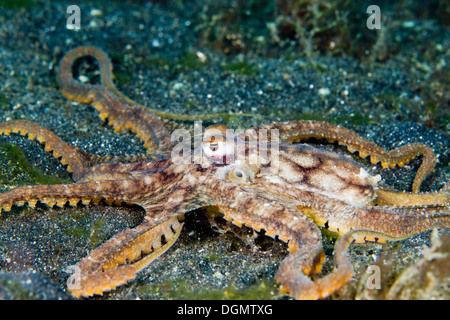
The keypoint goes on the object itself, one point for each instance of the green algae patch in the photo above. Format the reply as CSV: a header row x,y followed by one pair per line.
x,y
18,164
4,103
155,62
242,67
190,61
20,292
17,4
83,225
122,78
213,257
345,119
187,61
267,289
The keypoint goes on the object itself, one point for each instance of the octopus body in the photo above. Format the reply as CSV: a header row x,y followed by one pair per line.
x,y
288,190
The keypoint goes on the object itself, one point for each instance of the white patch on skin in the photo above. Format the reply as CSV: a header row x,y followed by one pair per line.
x,y
364,175
274,179
98,187
327,182
191,179
367,179
355,198
65,188
375,179
344,174
306,161
288,172
331,186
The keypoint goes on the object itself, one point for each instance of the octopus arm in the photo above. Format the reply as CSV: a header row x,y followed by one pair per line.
x,y
303,238
393,222
338,216
408,199
111,191
76,160
121,112
118,260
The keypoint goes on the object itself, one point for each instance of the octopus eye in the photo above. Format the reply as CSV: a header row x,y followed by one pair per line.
x,y
236,175
218,151
214,146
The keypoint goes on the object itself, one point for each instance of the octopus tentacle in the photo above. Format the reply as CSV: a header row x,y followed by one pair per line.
x,y
286,229
76,160
343,268
304,242
106,76
401,198
295,131
394,222
121,112
400,227
49,194
341,217
112,191
304,288
146,157
114,171
119,259
303,238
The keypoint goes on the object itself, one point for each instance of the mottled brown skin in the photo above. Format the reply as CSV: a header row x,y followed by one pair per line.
x,y
296,131
309,188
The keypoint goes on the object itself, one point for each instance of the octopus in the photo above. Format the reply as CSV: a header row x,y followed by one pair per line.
x,y
262,178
